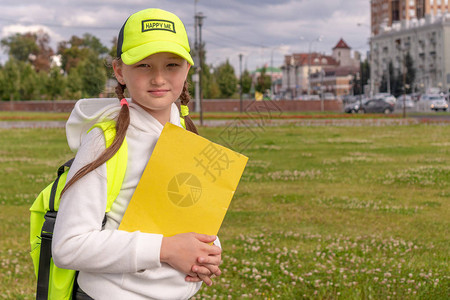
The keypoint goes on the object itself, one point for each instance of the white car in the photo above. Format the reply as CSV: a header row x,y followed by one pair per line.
x,y
404,99
433,102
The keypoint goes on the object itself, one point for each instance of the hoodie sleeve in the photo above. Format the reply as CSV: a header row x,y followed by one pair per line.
x,y
79,242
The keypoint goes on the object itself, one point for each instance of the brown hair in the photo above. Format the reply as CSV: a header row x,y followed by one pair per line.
x,y
185,97
123,121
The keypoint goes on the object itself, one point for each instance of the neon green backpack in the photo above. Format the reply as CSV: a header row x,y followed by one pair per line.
x,y
54,282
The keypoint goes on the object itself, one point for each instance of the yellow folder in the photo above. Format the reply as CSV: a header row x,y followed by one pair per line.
x,y
186,186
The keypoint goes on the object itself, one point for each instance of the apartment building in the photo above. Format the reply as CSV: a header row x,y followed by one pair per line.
x,y
387,12
419,27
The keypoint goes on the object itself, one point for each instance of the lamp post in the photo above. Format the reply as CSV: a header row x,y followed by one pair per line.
x,y
196,74
240,83
318,39
371,63
271,69
199,18
403,53
322,74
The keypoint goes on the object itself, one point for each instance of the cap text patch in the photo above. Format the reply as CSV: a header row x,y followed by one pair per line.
x,y
148,25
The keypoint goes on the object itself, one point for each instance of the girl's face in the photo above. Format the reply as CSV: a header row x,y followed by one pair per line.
x,y
155,82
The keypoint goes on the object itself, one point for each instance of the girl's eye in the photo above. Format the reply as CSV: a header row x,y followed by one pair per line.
x,y
172,65
144,66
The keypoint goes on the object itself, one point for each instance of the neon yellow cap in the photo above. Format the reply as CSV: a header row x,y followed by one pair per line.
x,y
151,31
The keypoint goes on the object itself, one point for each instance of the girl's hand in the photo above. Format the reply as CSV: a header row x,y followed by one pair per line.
x,y
205,269
185,251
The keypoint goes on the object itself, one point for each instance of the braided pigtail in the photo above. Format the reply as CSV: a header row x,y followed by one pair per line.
x,y
185,97
123,121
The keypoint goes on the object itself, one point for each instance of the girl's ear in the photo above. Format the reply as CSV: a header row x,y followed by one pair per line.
x,y
187,72
118,71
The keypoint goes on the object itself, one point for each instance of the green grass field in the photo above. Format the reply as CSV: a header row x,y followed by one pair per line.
x,y
320,212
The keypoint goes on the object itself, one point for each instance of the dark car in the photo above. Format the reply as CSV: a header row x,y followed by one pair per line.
x,y
376,105
355,107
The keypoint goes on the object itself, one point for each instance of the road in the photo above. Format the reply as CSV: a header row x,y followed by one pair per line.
x,y
415,119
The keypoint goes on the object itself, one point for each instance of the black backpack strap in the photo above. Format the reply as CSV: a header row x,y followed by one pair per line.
x,y
46,239
61,169
45,255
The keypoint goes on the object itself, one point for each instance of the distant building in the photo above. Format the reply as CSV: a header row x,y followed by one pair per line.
x,y
384,13
425,36
315,73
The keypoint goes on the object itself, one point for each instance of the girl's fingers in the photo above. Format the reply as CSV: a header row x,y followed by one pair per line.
x,y
207,270
190,278
199,278
205,279
210,260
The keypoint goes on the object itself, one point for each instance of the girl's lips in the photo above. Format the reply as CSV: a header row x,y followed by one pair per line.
x,y
158,93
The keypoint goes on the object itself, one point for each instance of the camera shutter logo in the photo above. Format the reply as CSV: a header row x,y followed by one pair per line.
x,y
184,190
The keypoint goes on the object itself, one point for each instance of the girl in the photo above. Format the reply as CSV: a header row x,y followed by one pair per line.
x,y
153,63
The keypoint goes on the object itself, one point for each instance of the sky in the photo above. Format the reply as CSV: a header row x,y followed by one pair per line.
x,y
263,31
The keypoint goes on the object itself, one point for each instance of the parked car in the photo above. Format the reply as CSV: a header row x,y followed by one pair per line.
x,y
386,97
376,105
407,100
329,96
434,102
355,107
308,97
352,107
440,104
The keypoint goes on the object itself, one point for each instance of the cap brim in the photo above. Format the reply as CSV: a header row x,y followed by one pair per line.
x,y
138,53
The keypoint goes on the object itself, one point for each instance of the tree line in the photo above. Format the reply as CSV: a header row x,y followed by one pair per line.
x,y
81,68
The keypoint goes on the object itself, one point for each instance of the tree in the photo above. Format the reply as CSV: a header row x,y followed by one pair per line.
x,y
358,82
55,84
263,82
410,73
42,62
10,80
78,49
74,84
21,46
226,79
246,82
389,80
19,81
113,50
93,76
30,47
209,84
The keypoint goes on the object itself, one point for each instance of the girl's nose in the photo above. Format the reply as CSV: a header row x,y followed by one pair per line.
x,y
158,77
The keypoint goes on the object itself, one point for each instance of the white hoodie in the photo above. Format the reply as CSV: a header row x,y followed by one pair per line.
x,y
113,264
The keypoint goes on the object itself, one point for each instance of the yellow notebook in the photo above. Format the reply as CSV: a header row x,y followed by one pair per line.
x,y
186,186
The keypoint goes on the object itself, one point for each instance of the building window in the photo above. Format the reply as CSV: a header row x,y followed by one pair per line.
x,y
412,12
395,13
420,8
